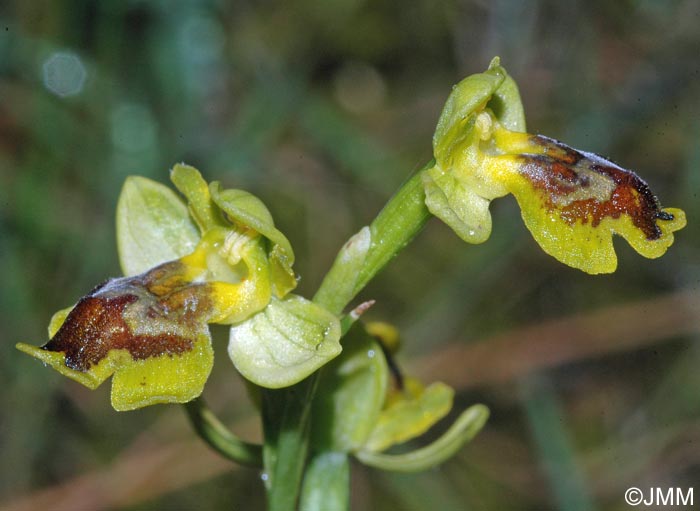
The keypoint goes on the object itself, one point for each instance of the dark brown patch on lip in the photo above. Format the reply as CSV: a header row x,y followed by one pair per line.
x,y
562,171
159,301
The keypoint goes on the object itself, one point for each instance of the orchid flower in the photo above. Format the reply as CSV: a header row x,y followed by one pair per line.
x,y
219,259
571,201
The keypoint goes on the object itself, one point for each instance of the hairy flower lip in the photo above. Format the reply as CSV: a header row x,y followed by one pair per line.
x,y
562,171
112,317
148,332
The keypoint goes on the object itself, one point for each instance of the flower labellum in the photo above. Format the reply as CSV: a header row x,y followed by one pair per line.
x,y
149,330
571,201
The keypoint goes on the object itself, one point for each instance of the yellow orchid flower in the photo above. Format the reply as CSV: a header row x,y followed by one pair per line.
x,y
150,330
409,408
365,406
571,201
408,412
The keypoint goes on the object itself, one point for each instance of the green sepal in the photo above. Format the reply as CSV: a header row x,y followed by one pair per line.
x,y
494,89
189,181
153,226
505,102
468,96
410,415
465,211
285,342
463,430
350,395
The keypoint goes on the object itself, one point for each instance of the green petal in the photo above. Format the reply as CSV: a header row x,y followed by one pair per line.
x,y
248,210
153,226
284,343
410,416
281,273
350,395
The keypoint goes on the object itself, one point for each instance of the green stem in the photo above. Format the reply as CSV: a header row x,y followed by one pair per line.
x,y
396,225
286,425
326,483
219,438
286,412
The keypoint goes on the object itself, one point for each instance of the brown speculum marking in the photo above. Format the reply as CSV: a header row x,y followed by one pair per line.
x,y
586,187
149,315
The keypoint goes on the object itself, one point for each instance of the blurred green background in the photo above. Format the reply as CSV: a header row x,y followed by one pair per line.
x,y
322,108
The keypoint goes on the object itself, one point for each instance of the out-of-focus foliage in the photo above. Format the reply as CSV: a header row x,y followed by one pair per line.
x,y
321,109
